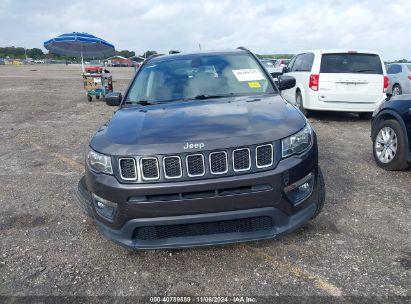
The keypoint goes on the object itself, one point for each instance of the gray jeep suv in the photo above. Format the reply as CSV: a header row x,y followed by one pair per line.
x,y
202,150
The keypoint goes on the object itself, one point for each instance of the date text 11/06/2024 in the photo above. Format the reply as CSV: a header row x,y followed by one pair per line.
x,y
187,299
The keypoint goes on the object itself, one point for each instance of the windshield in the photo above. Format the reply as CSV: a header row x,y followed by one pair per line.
x,y
198,77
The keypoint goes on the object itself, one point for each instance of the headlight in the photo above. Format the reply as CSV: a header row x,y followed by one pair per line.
x,y
99,162
298,142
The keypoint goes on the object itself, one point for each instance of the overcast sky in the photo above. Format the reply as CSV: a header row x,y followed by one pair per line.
x,y
266,26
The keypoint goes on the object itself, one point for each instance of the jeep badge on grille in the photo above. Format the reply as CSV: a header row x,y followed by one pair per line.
x,y
193,146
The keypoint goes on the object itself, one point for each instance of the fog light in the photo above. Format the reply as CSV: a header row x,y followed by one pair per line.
x,y
300,190
104,207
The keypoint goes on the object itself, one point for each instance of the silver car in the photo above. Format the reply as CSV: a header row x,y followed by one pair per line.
x,y
269,64
399,75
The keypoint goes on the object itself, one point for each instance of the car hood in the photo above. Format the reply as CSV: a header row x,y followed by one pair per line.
x,y
211,124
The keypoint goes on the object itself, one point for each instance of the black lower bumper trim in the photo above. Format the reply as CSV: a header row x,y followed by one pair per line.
x,y
282,224
243,225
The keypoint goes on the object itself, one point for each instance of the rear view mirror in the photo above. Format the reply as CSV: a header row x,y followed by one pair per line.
x,y
285,82
113,99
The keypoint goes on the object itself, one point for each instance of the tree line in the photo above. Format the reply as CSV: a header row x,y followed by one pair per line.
x,y
20,52
276,56
36,53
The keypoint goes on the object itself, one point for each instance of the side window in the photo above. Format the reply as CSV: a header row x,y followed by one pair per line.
x,y
307,62
290,64
394,69
297,63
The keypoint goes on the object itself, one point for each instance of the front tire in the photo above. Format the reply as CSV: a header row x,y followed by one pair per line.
x,y
89,98
299,104
389,146
84,198
320,193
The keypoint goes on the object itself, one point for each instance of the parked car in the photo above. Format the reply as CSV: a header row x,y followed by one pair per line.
x,y
391,133
202,150
279,67
399,75
269,65
337,80
280,63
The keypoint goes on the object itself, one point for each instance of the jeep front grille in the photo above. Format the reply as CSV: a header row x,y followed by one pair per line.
x,y
204,164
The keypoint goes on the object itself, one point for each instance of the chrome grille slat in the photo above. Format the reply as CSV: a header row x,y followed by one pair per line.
x,y
149,168
218,162
128,170
172,167
195,165
241,159
264,156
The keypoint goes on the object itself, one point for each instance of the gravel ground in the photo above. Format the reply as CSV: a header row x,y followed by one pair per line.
x,y
359,246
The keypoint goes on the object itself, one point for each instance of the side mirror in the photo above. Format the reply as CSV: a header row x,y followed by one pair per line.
x,y
113,99
274,75
389,95
285,82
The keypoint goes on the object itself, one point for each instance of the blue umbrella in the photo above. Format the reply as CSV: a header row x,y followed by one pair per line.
x,y
80,45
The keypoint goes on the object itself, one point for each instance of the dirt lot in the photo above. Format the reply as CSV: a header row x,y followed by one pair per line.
x,y
359,245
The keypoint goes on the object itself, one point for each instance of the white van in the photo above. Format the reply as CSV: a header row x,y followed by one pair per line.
x,y
337,80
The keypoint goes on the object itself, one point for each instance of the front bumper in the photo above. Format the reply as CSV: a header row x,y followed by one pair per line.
x,y
261,211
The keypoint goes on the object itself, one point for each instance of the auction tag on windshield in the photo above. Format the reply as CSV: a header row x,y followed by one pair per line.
x,y
254,85
248,75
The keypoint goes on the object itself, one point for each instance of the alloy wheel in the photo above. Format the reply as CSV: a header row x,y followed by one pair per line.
x,y
386,145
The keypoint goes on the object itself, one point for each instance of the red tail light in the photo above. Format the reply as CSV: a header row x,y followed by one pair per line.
x,y
385,83
409,77
314,79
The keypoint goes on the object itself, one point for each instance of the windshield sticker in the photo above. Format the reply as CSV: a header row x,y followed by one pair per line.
x,y
254,85
248,75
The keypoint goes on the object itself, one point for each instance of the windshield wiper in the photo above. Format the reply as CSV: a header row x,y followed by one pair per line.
x,y
142,102
207,96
